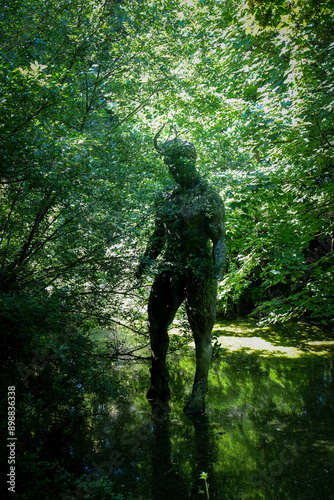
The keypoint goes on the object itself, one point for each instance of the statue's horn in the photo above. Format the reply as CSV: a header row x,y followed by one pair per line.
x,y
155,140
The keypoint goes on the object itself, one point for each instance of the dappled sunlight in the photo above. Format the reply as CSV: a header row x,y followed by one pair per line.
x,y
290,340
257,344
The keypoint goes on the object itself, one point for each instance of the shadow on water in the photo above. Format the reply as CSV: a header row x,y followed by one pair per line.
x,y
268,432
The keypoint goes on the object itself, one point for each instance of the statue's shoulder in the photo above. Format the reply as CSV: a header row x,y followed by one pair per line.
x,y
214,202
210,192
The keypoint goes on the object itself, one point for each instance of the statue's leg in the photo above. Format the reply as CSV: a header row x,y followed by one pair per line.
x,y
165,299
201,299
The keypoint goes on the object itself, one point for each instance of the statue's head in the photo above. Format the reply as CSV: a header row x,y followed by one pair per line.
x,y
180,156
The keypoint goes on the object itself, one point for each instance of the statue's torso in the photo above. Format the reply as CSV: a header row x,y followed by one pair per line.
x,y
185,216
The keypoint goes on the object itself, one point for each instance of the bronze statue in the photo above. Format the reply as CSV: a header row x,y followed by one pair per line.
x,y
188,219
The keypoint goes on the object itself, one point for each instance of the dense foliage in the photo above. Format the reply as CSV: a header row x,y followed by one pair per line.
x,y
84,85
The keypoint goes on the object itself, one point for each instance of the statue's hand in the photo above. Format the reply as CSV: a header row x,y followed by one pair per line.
x,y
219,274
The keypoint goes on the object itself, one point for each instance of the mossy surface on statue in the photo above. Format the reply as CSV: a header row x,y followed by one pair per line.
x,y
189,232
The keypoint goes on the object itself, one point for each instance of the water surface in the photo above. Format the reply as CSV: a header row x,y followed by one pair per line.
x,y
268,431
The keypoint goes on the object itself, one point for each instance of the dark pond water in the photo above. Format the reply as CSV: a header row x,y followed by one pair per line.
x,y
268,432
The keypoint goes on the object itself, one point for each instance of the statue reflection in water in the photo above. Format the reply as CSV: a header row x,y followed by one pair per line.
x,y
168,480
189,227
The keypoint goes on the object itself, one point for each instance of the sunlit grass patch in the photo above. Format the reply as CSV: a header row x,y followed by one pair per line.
x,y
257,344
290,340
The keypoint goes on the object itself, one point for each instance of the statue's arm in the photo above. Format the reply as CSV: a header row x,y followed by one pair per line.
x,y
217,236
